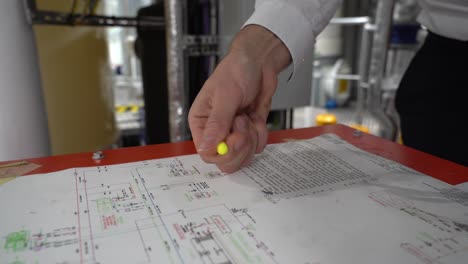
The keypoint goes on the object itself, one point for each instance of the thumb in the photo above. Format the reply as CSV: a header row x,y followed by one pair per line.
x,y
219,122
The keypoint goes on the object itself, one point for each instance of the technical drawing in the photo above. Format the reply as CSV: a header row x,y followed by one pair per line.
x,y
213,234
181,210
388,199
448,238
113,210
456,195
434,250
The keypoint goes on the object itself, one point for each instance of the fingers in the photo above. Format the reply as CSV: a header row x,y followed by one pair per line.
x,y
242,141
244,147
233,107
197,117
253,148
259,117
261,130
262,108
219,122
212,114
244,134
242,144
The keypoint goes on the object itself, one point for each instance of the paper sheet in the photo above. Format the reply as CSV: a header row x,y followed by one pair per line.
x,y
463,186
315,201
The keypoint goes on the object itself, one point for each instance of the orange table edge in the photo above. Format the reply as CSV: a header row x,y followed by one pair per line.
x,y
444,170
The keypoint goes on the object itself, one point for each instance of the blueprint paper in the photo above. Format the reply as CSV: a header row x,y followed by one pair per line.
x,y
315,201
463,186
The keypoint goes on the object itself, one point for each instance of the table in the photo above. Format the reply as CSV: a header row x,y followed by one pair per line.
x,y
444,170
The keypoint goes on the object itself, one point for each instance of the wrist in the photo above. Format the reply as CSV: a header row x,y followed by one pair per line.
x,y
262,47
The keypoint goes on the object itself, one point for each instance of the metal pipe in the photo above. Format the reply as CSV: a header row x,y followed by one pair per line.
x,y
349,77
363,71
178,112
46,17
383,22
350,21
64,19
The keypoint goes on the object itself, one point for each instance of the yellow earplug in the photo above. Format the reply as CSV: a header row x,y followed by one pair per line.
x,y
222,148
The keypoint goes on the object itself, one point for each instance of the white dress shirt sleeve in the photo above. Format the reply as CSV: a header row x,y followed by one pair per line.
x,y
448,18
296,22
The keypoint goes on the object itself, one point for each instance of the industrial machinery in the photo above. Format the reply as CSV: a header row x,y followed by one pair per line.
x,y
387,44
179,43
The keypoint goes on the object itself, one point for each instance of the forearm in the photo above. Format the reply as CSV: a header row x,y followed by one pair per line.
x,y
296,22
261,45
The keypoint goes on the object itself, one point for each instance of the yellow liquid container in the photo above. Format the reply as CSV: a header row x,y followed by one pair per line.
x,y
76,81
325,119
360,128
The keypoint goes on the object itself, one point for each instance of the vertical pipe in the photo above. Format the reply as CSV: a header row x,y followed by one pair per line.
x,y
23,122
363,68
178,102
383,23
214,11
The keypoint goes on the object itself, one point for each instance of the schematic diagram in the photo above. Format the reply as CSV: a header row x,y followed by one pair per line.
x,y
118,206
279,210
389,199
434,250
448,238
214,234
431,248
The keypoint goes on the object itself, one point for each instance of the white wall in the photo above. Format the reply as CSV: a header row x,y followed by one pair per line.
x,y
23,122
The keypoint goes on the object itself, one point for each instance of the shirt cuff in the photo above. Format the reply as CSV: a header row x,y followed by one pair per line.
x,y
289,25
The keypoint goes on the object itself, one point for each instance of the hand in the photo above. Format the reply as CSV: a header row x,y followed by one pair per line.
x,y
234,103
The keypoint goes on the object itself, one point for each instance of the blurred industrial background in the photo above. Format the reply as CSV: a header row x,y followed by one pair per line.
x,y
85,75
